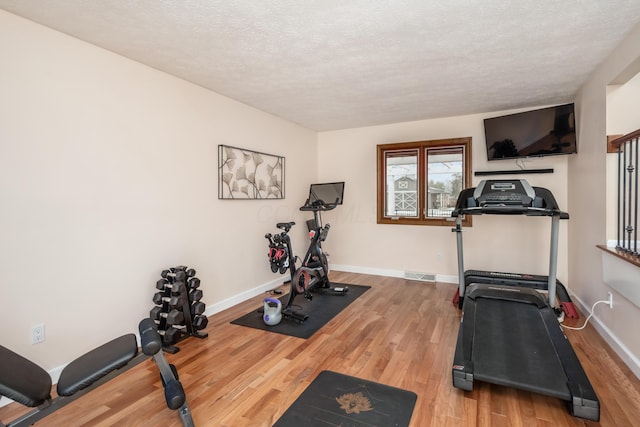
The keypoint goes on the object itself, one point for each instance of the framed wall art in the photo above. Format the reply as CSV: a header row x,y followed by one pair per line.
x,y
247,174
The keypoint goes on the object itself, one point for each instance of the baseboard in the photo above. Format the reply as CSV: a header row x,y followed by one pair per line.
x,y
621,350
440,278
241,297
443,278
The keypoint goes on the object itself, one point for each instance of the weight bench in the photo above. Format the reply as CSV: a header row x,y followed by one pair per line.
x,y
27,383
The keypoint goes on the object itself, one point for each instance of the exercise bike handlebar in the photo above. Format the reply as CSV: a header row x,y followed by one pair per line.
x,y
319,205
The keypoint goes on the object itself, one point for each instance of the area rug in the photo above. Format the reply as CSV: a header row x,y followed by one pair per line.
x,y
334,399
321,309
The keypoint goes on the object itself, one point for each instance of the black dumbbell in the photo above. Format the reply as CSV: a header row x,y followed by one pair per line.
x,y
170,336
199,322
195,295
159,299
178,276
191,272
197,308
172,270
193,283
176,288
173,317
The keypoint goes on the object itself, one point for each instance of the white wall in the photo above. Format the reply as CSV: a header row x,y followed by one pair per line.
x,y
622,115
357,243
622,118
108,175
587,201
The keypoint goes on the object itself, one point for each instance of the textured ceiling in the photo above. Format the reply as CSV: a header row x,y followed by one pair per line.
x,y
334,64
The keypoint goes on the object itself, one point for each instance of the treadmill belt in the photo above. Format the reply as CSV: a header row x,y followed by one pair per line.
x,y
511,347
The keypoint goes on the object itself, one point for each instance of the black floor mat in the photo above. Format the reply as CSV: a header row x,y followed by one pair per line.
x,y
334,399
320,310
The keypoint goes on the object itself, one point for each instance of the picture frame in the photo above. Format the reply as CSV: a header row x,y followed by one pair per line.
x,y
246,174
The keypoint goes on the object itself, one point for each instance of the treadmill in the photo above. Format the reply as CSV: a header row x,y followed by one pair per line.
x,y
510,335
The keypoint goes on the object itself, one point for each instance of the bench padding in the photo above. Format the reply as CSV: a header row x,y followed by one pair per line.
x,y
97,363
22,380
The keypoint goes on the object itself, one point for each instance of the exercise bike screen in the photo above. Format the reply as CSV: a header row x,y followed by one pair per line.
x,y
328,192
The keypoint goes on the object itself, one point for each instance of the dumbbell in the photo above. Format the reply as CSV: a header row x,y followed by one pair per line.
x,y
170,336
176,288
172,270
193,283
195,295
190,272
159,299
173,317
199,322
178,276
197,308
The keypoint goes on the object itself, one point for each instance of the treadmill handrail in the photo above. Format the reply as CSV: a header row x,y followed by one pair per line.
x,y
542,204
509,210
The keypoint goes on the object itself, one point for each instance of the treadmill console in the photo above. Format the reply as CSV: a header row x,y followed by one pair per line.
x,y
494,193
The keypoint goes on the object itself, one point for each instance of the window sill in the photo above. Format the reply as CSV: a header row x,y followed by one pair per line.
x,y
633,260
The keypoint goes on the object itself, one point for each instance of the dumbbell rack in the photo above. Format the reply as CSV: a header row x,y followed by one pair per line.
x,y
178,312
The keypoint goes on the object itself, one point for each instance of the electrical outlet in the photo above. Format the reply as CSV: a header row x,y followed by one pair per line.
x,y
610,300
37,333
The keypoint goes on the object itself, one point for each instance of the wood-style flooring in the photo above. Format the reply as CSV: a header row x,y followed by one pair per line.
x,y
400,333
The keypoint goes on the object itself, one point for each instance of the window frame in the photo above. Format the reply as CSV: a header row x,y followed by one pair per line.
x,y
422,180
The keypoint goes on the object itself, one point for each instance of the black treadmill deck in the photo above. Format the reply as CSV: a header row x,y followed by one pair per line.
x,y
510,336
512,348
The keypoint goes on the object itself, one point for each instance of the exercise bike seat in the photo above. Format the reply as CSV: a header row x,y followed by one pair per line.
x,y
22,380
286,226
97,363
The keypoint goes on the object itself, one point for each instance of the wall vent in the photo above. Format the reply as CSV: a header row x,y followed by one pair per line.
x,y
416,275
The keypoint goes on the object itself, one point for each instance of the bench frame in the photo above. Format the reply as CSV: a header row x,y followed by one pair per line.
x,y
151,347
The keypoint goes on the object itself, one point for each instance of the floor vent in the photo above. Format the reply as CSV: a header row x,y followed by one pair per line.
x,y
416,275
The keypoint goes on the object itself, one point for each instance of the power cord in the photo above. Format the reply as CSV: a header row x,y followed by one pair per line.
x,y
588,317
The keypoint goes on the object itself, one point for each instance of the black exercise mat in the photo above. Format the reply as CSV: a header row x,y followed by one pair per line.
x,y
334,399
320,310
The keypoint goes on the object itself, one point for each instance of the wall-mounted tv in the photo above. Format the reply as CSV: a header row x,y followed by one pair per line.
x,y
543,132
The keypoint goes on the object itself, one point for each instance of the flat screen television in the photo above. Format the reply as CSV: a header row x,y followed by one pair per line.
x,y
544,132
328,192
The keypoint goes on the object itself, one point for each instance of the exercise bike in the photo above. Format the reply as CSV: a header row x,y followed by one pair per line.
x,y
313,273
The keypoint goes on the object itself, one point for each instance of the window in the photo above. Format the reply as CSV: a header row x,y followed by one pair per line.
x,y
419,182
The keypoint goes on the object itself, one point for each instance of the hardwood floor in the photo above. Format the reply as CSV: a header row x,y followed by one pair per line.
x,y
400,333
